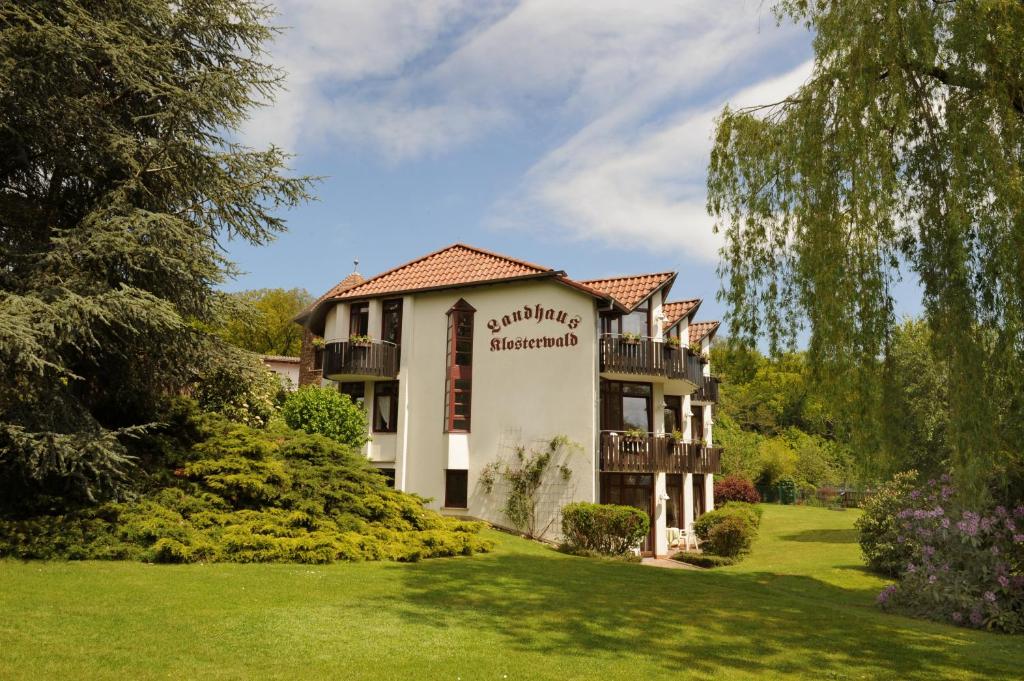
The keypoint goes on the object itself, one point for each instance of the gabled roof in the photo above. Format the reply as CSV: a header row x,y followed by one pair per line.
x,y
348,282
630,291
456,265
678,309
700,330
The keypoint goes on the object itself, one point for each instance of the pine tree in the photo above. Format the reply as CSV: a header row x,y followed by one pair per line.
x,y
119,185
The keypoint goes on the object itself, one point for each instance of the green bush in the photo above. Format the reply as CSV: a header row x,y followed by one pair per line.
x,y
604,529
727,531
705,560
327,412
751,511
880,534
243,391
246,495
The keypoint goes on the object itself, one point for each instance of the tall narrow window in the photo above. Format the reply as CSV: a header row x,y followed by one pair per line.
x,y
359,319
385,406
456,486
459,378
697,424
391,321
673,413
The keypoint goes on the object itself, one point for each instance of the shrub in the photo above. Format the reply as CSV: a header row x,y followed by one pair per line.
x,y
605,529
705,560
327,412
735,488
727,531
750,511
243,391
247,495
964,566
884,547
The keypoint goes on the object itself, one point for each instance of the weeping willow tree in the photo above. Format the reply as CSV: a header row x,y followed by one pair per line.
x,y
119,184
899,158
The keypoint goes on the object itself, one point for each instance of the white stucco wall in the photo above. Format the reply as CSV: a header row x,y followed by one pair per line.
x,y
521,397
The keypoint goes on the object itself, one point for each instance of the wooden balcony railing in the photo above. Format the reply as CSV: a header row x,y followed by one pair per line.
x,y
654,452
376,358
649,357
708,390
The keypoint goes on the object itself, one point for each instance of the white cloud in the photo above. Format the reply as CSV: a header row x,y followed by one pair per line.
x,y
409,78
641,189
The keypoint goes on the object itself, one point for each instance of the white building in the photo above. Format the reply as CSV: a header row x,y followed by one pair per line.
x,y
287,368
463,355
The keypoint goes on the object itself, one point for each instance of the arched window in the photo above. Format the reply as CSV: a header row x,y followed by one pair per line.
x,y
459,378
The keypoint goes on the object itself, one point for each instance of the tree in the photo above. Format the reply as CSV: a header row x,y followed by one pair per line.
x,y
902,155
263,321
119,182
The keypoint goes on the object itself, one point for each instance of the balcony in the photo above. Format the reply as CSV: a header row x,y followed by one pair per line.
x,y
708,390
649,357
656,452
346,361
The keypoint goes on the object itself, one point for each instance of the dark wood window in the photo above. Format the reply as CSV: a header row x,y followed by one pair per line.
x,y
699,502
456,487
391,321
359,319
389,474
638,321
385,406
697,424
459,377
674,507
626,405
356,391
673,413
628,489
611,324
318,359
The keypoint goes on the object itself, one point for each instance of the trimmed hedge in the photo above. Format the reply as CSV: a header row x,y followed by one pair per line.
x,y
245,495
705,560
604,529
728,531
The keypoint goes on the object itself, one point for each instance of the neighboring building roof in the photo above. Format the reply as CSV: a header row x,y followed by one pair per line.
x,y
678,309
630,291
280,358
456,265
699,330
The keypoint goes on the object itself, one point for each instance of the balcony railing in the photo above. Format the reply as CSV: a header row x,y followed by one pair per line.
x,y
649,357
374,358
708,390
655,452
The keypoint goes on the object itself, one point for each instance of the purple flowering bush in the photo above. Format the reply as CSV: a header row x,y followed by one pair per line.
x,y
963,567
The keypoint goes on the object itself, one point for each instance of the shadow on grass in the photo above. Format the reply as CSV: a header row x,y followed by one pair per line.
x,y
705,623
844,536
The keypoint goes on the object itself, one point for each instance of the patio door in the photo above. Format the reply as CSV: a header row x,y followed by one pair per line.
x,y
631,489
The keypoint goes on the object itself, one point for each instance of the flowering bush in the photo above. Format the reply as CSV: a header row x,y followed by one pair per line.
x,y
735,488
879,525
325,411
964,567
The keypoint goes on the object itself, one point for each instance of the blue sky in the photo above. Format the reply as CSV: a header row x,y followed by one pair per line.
x,y
571,134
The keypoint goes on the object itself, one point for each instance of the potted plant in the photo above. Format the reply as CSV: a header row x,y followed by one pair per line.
x,y
672,342
319,343
635,434
360,341
695,349
677,436
631,338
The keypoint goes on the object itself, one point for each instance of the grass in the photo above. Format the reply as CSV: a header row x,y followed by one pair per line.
x,y
800,606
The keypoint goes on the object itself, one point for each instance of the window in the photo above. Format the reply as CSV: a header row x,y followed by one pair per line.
x,y
673,413
456,484
388,473
638,321
611,324
355,390
697,424
625,406
459,379
318,359
391,321
359,319
385,407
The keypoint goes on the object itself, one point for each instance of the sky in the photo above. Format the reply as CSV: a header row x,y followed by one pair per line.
x,y
572,134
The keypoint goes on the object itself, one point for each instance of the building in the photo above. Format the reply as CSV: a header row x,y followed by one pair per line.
x,y
287,368
462,357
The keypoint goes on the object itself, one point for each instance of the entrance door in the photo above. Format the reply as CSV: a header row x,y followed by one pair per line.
x,y
631,489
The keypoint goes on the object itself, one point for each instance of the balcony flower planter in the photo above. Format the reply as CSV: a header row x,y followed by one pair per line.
x,y
360,341
630,339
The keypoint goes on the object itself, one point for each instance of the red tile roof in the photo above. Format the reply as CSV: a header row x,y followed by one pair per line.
x,y
698,330
632,290
677,309
456,265
346,283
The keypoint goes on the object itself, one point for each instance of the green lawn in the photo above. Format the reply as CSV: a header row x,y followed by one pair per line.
x,y
800,606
